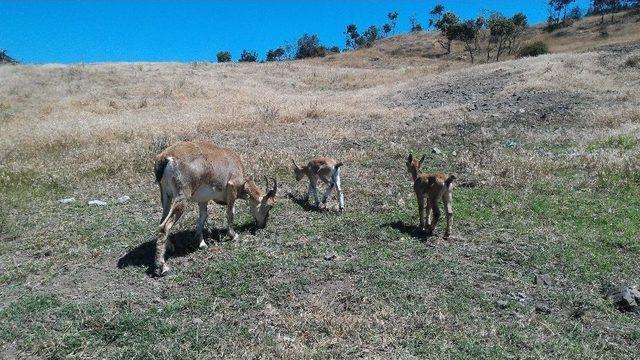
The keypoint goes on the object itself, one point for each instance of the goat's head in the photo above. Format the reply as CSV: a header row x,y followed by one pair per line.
x,y
298,171
413,165
262,203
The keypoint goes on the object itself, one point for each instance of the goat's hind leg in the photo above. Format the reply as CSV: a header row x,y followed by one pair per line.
x,y
447,200
338,184
433,208
174,214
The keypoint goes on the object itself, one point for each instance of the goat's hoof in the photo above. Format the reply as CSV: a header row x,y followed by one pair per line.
x,y
429,232
233,236
341,209
446,236
203,245
162,270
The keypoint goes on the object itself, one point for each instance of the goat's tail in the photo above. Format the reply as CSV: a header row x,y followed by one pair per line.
x,y
449,181
159,166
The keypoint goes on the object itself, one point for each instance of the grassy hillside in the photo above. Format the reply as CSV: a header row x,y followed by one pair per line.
x,y
545,150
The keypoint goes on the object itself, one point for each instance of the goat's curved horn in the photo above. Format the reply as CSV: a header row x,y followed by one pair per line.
x,y
294,164
422,159
266,182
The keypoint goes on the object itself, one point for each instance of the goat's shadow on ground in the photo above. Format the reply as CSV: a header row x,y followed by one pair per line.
x,y
304,204
184,243
411,230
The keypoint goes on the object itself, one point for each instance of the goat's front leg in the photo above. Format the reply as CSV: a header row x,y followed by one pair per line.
x,y
309,191
327,192
314,189
231,199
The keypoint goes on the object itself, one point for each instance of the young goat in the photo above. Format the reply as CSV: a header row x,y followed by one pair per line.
x,y
202,172
325,169
432,187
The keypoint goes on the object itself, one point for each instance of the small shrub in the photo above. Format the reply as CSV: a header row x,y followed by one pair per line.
x,y
276,54
534,49
223,56
248,56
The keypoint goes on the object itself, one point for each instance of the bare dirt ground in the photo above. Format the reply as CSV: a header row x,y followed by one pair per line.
x,y
545,150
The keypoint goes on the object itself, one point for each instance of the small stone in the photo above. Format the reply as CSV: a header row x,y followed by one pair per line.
x,y
625,298
454,153
436,151
521,111
542,309
197,321
542,280
502,304
67,200
330,257
97,202
123,199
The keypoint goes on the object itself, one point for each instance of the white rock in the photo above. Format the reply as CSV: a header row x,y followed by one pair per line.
x,y
97,202
123,199
67,200
521,111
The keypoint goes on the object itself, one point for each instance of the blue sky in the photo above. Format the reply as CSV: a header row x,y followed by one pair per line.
x,y
71,31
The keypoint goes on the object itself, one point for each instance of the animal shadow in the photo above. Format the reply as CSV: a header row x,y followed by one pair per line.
x,y
184,243
411,230
304,204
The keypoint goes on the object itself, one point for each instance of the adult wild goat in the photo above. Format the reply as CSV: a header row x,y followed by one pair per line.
x,y
325,169
201,172
433,187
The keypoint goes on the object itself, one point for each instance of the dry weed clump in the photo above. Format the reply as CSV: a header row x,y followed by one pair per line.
x,y
267,112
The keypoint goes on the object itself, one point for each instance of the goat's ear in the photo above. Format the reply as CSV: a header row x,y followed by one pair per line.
x,y
410,158
422,159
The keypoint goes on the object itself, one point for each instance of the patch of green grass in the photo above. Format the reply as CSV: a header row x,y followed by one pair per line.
x,y
436,296
27,185
621,142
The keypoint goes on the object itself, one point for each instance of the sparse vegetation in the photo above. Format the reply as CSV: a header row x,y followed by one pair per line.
x,y
535,48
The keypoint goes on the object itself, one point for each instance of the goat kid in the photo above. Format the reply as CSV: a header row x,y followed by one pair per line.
x,y
433,188
325,169
201,172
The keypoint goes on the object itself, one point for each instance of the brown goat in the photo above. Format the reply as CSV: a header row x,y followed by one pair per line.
x,y
202,172
325,169
433,187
